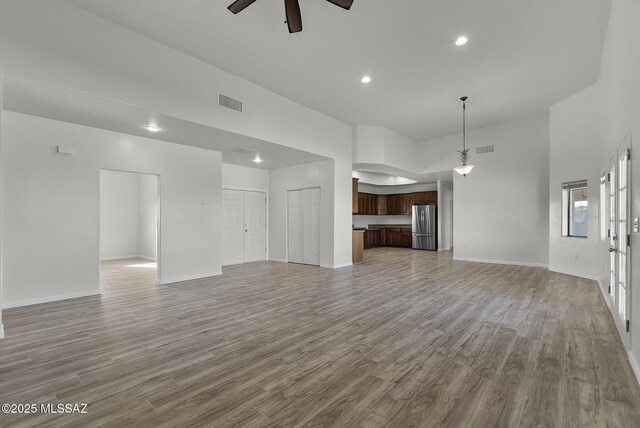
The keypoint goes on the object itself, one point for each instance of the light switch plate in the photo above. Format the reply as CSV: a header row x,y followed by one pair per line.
x,y
636,225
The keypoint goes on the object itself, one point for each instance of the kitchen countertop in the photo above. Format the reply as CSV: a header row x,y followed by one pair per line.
x,y
388,226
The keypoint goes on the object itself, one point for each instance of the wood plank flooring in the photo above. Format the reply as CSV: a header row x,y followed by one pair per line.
x,y
409,338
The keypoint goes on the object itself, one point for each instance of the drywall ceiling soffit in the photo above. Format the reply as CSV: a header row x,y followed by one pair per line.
x,y
27,96
369,171
543,51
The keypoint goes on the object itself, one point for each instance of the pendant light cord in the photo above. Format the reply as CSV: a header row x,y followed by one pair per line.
x,y
464,123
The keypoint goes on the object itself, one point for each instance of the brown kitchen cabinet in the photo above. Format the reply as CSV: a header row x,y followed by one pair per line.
x,y
387,236
382,205
372,238
399,204
421,198
354,195
367,204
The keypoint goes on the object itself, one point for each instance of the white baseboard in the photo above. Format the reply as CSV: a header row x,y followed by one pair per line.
x,y
134,256
1,331
501,262
634,365
607,300
47,299
444,249
190,278
579,275
332,266
273,259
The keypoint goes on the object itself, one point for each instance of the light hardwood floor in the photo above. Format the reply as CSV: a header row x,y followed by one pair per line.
x,y
409,338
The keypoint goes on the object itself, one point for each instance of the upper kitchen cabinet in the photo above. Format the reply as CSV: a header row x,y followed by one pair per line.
x,y
420,198
354,195
382,205
367,204
399,204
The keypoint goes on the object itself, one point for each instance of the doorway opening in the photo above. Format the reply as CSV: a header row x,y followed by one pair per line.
x,y
129,230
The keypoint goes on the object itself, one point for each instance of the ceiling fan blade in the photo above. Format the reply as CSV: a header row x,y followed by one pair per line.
x,y
294,18
345,4
240,5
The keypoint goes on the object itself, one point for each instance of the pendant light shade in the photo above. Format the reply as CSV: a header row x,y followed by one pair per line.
x,y
464,169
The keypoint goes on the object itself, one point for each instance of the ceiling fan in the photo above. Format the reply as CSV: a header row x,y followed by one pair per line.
x,y
292,8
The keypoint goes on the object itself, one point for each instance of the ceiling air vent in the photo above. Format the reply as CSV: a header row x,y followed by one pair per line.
x,y
229,102
243,151
484,149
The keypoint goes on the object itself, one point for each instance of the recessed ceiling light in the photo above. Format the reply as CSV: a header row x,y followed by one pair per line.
x,y
257,159
461,41
152,128
366,79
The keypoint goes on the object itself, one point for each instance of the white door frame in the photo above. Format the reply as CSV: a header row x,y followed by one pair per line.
x,y
319,223
158,219
266,208
615,241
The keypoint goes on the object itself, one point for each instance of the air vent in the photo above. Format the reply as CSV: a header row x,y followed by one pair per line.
x,y
484,149
243,151
229,102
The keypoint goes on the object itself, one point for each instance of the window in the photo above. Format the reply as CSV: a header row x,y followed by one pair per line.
x,y
575,219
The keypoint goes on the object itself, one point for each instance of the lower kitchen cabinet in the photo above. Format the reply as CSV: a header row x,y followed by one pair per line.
x,y
388,237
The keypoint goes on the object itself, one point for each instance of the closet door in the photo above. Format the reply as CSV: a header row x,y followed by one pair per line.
x,y
232,227
255,226
295,227
311,226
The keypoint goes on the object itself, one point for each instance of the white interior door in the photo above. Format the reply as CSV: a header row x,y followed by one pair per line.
x,y
232,227
612,230
623,232
619,231
295,228
255,229
311,226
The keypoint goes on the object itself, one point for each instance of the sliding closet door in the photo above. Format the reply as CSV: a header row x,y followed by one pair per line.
x,y
295,228
255,236
232,227
311,226
304,226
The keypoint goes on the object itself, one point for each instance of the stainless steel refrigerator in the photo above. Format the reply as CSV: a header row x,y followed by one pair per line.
x,y
424,226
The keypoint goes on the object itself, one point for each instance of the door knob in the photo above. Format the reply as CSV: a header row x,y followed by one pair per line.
x,y
612,250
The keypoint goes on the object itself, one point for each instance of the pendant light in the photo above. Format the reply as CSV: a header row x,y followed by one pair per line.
x,y
464,169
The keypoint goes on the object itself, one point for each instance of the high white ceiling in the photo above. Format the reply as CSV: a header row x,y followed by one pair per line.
x,y
522,56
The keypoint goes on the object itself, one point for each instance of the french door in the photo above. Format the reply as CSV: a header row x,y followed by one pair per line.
x,y
619,231
244,230
303,228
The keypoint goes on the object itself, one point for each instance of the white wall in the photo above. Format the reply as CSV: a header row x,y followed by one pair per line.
x,y
380,145
244,178
128,217
316,174
51,207
445,215
501,209
586,130
39,39
1,200
619,89
119,215
147,216
392,190
574,149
